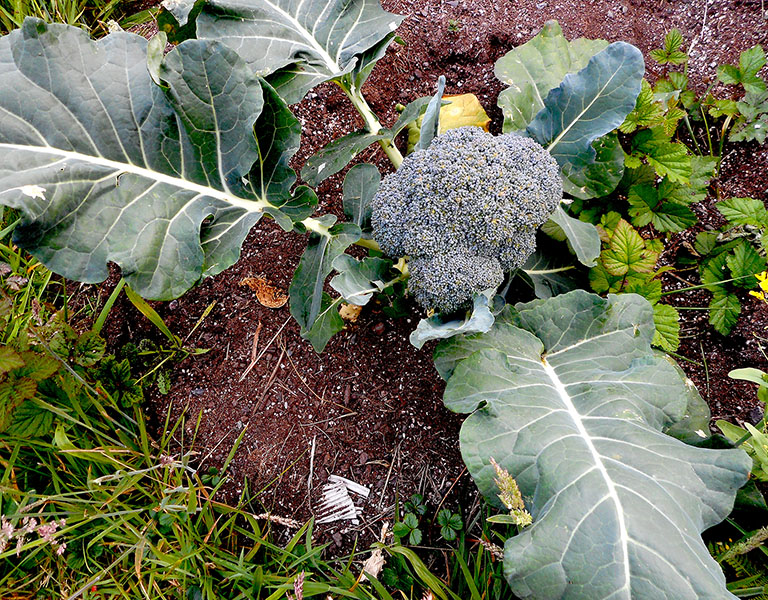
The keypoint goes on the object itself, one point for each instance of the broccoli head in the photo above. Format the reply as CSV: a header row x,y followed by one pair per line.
x,y
465,210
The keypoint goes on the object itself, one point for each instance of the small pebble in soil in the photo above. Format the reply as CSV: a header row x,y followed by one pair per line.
x,y
379,328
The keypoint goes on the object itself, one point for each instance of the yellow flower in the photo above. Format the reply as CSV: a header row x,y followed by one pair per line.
x,y
762,279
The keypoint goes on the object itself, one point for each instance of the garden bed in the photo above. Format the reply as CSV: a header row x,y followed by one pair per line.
x,y
369,407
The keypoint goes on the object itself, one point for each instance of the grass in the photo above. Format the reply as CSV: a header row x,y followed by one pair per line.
x,y
92,15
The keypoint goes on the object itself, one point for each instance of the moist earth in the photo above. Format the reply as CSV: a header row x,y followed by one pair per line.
x,y
369,407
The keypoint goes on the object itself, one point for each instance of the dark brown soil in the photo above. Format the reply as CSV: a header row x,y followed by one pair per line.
x,y
369,408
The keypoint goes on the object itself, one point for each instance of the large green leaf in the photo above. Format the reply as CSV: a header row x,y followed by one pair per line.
x,y
298,44
108,166
570,399
588,105
536,67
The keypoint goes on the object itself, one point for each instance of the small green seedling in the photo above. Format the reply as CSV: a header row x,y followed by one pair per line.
x,y
408,528
450,524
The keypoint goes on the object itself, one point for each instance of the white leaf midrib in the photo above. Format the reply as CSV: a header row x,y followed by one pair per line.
x,y
305,33
256,205
577,419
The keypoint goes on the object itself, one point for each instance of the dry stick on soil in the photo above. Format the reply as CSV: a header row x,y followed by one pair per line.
x,y
389,474
260,401
267,347
311,466
352,414
254,347
437,510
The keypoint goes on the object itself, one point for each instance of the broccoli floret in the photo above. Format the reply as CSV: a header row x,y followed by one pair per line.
x,y
465,210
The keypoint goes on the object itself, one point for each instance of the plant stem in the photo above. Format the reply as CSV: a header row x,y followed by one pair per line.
x,y
97,326
706,128
371,244
372,122
693,137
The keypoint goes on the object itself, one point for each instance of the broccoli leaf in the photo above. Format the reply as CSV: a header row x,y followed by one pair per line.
x,y
435,328
588,105
550,272
108,166
297,45
430,125
536,67
582,237
333,157
600,177
327,323
306,289
358,280
567,395
360,187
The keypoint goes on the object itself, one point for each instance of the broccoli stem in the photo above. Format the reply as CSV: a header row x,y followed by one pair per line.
x,y
372,122
372,244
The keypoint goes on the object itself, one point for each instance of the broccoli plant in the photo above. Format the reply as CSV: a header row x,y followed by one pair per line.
x,y
465,210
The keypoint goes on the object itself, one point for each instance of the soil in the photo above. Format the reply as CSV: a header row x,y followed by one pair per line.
x,y
369,408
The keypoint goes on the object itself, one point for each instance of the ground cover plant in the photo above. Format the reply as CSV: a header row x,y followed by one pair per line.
x,y
191,190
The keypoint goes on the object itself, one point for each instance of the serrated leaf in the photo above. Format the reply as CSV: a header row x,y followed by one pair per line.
x,y
588,105
724,310
647,111
643,199
713,272
645,207
37,366
30,420
569,398
601,281
297,45
582,237
750,63
673,41
705,242
667,322
89,349
626,252
743,211
536,67
744,262
670,159
748,131
133,173
650,289
9,359
723,108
